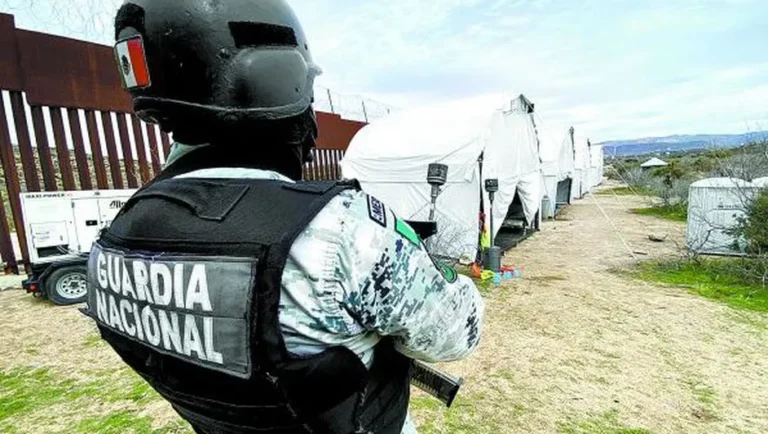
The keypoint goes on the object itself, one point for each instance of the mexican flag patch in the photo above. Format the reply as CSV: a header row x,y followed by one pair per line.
x,y
132,63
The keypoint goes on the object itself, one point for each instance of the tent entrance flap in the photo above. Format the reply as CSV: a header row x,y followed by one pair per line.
x,y
564,192
516,227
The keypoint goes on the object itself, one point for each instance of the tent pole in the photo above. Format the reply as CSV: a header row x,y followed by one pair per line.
x,y
494,253
479,256
437,176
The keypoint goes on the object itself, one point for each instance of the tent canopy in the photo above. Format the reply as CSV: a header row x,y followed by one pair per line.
x,y
556,152
654,162
550,142
512,157
597,165
390,158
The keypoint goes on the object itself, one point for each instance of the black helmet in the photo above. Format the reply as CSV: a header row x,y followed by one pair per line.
x,y
200,67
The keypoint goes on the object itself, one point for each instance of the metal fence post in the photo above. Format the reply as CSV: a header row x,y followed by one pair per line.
x,y
330,100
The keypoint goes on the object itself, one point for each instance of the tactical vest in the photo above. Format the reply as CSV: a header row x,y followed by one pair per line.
x,y
185,286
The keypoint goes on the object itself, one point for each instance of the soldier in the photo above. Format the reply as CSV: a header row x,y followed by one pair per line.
x,y
249,300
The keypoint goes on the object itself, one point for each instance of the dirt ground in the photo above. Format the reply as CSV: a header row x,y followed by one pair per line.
x,y
573,347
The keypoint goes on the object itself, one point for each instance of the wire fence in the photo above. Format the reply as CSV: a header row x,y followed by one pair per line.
x,y
93,21
352,107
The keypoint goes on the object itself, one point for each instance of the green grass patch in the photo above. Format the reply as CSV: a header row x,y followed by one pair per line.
x,y
124,422
24,391
93,341
668,212
724,280
624,191
484,286
706,397
25,394
505,375
607,423
703,393
116,423
459,418
747,318
468,414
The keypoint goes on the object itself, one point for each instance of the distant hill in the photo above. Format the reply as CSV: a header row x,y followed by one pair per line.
x,y
662,145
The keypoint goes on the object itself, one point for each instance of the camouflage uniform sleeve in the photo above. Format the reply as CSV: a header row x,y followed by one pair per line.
x,y
393,287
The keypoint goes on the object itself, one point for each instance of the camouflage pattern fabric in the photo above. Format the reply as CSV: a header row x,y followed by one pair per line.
x,y
358,273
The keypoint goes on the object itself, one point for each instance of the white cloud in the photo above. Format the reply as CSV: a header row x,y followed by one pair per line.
x,y
616,69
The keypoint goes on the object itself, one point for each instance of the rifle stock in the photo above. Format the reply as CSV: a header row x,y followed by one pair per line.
x,y
438,384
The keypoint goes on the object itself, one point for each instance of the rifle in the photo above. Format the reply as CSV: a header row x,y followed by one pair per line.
x,y
438,384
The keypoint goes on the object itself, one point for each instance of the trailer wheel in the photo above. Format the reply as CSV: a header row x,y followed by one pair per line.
x,y
67,286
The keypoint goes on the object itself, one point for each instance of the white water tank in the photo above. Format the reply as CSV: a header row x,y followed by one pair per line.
x,y
760,182
714,206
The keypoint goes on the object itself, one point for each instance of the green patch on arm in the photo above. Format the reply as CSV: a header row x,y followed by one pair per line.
x,y
404,229
407,231
449,273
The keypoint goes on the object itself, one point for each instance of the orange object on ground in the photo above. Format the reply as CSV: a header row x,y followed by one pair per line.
x,y
477,271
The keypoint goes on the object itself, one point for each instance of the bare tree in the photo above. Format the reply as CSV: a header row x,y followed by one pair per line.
x,y
450,245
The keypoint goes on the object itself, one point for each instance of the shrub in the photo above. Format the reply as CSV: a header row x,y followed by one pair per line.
x,y
637,178
619,169
671,192
753,226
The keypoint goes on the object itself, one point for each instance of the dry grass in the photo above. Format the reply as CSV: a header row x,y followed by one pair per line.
x,y
570,349
574,348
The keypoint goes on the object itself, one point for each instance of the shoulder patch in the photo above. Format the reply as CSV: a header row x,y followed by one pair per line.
x,y
407,231
376,211
448,273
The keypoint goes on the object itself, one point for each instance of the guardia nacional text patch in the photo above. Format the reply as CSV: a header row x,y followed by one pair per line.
x,y
196,309
376,211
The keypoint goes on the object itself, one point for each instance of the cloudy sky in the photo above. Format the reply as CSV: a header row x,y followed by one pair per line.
x,y
615,69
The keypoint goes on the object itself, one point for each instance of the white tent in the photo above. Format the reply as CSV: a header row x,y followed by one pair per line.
x,y
653,162
557,166
567,169
566,159
596,169
390,158
512,157
714,205
581,167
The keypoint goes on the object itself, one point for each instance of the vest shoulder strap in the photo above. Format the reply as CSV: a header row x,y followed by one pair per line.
x,y
207,213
